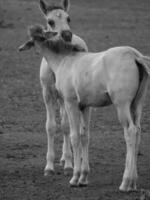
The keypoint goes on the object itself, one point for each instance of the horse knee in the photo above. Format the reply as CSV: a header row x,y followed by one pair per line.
x,y
75,140
130,130
50,128
84,137
63,115
131,135
64,126
46,96
138,131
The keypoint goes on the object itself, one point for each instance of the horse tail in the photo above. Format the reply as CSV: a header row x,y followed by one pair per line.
x,y
143,65
145,61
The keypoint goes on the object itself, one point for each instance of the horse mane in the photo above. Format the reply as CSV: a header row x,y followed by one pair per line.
x,y
54,7
36,32
60,46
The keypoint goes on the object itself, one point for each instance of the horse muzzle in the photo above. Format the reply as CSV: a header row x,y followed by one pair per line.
x,y
66,35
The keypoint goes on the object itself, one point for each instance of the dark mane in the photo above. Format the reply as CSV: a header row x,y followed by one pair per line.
x,y
37,33
53,7
59,46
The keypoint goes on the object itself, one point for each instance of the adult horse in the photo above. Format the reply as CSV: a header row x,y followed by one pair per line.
x,y
57,19
117,76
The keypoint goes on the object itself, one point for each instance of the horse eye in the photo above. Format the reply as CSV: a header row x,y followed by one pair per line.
x,y
68,19
51,23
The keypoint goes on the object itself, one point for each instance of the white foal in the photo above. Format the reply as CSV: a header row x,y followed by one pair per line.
x,y
57,20
117,76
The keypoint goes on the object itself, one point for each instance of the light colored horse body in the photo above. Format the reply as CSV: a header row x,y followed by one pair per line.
x,y
93,80
57,20
117,76
51,99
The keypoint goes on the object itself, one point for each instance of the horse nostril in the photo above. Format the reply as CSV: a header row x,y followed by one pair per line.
x,y
67,36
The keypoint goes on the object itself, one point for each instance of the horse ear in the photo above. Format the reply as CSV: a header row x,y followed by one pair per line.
x,y
43,7
66,5
35,30
26,46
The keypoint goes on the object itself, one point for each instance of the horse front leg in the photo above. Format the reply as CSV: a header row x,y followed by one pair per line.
x,y
66,159
74,122
84,134
50,130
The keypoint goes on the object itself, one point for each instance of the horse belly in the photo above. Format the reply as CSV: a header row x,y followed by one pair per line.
x,y
95,99
101,100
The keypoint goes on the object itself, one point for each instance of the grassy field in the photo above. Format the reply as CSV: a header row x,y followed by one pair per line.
x,y
102,24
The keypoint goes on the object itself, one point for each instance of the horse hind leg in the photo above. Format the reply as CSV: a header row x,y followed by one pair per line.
x,y
131,135
137,104
136,115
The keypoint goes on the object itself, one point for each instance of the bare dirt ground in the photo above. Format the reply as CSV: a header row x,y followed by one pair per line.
x,y
102,24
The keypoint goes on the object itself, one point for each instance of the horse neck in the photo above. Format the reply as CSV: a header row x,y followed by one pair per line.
x,y
53,59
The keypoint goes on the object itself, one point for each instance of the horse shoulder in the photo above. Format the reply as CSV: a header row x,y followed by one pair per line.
x,y
47,76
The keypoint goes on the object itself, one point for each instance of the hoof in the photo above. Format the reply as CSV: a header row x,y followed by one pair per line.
x,y
83,181
74,182
48,172
128,185
74,185
68,171
82,184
